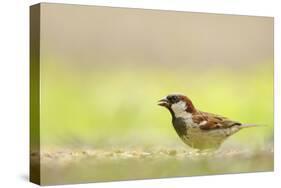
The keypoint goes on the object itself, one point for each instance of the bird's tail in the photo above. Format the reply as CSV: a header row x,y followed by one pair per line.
x,y
251,125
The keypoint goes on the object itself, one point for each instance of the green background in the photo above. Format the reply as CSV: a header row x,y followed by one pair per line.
x,y
102,71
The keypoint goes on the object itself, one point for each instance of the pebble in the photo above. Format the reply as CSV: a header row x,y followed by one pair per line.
x,y
172,152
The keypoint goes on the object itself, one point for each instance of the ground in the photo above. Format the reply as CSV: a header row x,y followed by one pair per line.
x,y
60,166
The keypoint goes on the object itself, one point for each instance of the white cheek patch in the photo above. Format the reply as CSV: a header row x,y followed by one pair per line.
x,y
179,109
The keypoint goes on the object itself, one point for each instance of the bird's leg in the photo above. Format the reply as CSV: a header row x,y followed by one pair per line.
x,y
206,152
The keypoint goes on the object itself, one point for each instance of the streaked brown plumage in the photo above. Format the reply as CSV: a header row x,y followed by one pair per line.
x,y
200,130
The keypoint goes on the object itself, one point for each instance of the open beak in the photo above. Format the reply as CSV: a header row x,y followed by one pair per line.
x,y
163,102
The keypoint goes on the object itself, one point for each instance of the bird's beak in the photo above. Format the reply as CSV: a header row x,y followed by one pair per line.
x,y
163,102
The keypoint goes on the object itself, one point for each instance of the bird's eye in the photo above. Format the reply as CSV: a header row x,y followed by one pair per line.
x,y
173,99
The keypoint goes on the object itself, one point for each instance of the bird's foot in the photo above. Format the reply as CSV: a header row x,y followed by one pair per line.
x,y
206,152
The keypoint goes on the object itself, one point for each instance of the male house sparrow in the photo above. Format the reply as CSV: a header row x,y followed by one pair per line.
x,y
197,129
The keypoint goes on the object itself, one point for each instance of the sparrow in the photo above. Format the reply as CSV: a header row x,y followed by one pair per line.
x,y
199,130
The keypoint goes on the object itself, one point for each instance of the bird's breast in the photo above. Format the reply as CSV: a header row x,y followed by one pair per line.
x,y
194,136
182,125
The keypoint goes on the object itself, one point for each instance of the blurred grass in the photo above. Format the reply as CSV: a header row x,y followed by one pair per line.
x,y
98,109
117,105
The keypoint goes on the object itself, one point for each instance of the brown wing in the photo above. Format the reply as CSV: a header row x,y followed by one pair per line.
x,y
208,121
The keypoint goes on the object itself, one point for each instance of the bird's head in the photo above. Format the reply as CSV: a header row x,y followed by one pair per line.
x,y
177,104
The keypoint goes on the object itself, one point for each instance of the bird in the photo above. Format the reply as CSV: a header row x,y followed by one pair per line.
x,y
199,130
